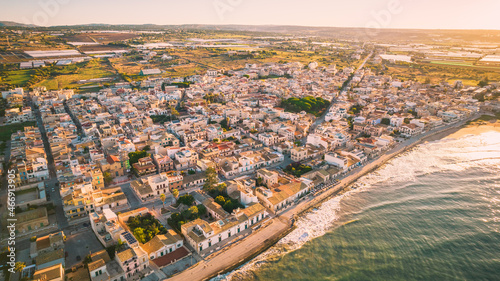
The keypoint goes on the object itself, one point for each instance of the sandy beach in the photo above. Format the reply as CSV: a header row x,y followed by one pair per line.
x,y
477,128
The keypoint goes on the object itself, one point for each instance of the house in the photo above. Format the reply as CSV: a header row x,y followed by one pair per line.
x,y
193,180
269,178
212,73
132,261
276,199
102,267
298,154
163,163
48,243
51,273
112,165
185,159
145,166
204,236
48,259
163,244
32,220
336,160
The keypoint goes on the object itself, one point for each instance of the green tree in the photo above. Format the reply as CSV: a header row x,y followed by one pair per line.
x,y
193,213
211,175
385,121
107,178
19,266
186,199
162,198
174,111
140,235
175,193
220,200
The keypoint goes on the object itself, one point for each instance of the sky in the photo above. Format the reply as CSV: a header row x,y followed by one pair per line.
x,y
423,14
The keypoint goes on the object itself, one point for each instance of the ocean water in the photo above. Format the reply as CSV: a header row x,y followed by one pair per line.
x,y
432,213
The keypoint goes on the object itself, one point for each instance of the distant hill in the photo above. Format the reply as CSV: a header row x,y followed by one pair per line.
x,y
11,23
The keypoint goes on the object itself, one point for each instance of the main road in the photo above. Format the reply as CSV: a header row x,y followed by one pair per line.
x,y
321,119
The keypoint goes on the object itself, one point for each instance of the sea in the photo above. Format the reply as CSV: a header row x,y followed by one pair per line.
x,y
432,213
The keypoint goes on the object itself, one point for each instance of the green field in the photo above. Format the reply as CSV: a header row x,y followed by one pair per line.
x,y
68,76
7,130
17,78
456,63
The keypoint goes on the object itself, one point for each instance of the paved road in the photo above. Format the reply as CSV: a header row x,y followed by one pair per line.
x,y
321,119
237,252
50,184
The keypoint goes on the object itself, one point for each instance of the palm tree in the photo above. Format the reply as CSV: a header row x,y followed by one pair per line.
x,y
175,192
162,198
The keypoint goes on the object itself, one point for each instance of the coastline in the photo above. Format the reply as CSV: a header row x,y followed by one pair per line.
x,y
278,227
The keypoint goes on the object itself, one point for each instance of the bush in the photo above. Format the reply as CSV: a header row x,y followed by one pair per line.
x,y
145,227
186,199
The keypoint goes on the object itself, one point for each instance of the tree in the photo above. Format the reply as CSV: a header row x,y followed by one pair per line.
x,y
174,111
220,200
140,235
225,124
385,121
484,82
136,155
186,199
107,178
211,175
175,193
202,210
19,266
259,181
162,198
193,212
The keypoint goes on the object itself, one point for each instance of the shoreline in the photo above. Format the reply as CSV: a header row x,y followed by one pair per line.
x,y
305,206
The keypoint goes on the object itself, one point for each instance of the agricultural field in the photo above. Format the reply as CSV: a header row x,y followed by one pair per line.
x,y
436,73
15,78
69,76
102,38
190,62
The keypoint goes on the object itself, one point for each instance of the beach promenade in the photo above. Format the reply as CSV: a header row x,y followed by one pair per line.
x,y
277,227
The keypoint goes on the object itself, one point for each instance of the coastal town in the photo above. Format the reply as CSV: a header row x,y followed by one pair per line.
x,y
176,176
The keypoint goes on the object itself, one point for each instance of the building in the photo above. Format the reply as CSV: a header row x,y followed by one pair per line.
x,y
132,261
163,244
298,154
269,178
51,273
279,198
204,236
145,166
48,243
154,71
103,268
32,220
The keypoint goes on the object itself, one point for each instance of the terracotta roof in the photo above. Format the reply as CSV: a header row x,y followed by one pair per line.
x,y
170,257
112,159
